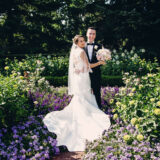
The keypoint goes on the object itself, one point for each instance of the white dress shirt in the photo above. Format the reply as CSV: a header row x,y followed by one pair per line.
x,y
90,51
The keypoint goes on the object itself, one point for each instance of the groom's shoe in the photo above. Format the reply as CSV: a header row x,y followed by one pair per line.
x,y
63,149
100,107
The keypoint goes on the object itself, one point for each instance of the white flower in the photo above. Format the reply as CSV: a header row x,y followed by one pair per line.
x,y
35,102
125,51
39,62
135,55
116,56
133,48
131,51
113,60
95,47
122,89
47,82
114,51
40,81
123,54
143,50
126,73
117,62
42,69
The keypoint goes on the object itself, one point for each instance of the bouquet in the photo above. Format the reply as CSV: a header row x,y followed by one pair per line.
x,y
103,54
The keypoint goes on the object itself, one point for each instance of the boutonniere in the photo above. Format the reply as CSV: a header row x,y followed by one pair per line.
x,y
95,47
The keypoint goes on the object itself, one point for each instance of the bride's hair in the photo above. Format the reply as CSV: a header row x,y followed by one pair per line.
x,y
76,38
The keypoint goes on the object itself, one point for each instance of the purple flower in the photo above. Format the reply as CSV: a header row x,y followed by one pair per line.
x,y
37,155
15,136
138,157
128,155
109,148
135,142
129,148
110,155
136,149
123,157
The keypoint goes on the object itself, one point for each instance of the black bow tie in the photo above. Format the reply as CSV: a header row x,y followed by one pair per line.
x,y
90,44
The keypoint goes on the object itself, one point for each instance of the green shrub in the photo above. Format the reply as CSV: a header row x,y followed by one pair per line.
x,y
128,61
13,101
141,105
112,81
122,61
106,80
57,81
52,66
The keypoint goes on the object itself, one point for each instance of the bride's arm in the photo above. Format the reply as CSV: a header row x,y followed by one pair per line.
x,y
90,65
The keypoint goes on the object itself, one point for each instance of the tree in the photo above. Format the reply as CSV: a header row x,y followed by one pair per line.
x,y
30,26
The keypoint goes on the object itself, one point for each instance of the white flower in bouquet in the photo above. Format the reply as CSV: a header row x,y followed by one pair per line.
x,y
103,54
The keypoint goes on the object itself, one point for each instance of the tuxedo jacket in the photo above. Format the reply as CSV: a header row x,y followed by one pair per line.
x,y
95,76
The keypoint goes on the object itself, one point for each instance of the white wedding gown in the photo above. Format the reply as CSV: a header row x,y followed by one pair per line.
x,y
81,120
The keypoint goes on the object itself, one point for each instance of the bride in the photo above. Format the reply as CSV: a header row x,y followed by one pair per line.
x,y
81,120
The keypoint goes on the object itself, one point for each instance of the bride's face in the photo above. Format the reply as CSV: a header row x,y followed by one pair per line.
x,y
81,42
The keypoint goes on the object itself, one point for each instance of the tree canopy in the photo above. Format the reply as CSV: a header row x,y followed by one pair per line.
x,y
48,26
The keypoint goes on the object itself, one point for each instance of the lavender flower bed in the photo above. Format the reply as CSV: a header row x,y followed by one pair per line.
x,y
47,102
29,141
122,142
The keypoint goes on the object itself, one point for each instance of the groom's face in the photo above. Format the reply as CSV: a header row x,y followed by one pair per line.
x,y
91,35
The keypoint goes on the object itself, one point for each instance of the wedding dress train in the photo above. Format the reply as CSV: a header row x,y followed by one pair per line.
x,y
81,120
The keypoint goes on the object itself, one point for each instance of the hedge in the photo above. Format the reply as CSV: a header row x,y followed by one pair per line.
x,y
112,80
106,80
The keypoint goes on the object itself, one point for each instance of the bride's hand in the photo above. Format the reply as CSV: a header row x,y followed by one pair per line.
x,y
92,91
102,62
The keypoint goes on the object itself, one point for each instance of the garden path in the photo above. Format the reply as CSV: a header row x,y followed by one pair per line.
x,y
69,156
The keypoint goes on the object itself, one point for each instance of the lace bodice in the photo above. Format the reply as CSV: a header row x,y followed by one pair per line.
x,y
80,62
79,68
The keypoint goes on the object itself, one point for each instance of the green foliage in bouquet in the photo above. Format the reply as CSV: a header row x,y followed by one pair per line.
x,y
141,105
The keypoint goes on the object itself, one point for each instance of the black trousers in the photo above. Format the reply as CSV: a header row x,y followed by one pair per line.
x,y
97,93
96,86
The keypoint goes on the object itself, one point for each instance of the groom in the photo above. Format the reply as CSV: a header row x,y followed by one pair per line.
x,y
91,48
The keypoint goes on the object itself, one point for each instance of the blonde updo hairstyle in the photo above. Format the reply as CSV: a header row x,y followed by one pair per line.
x,y
76,38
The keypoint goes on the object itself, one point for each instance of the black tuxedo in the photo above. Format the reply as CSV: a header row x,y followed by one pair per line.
x,y
95,76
